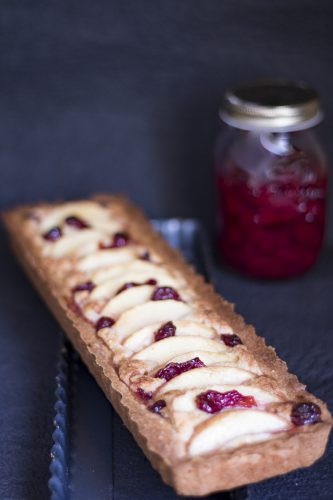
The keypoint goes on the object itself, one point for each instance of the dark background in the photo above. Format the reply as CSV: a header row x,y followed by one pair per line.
x,y
122,96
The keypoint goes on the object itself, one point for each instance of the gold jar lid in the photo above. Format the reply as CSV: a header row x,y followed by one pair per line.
x,y
276,106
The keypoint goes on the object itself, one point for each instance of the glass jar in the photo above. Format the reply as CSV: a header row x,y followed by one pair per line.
x,y
272,180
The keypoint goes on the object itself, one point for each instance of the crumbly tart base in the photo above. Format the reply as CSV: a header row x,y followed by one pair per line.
x,y
201,475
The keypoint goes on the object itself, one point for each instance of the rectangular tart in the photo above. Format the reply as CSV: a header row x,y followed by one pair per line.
x,y
211,406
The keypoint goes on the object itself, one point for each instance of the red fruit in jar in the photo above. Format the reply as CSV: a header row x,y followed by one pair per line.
x,y
158,406
53,234
81,287
231,340
145,396
165,293
76,222
214,401
166,330
274,229
171,370
119,240
104,322
305,414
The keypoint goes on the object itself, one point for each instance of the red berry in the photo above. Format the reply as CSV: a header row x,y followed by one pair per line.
x,y
53,234
145,396
104,322
305,414
76,222
81,287
214,401
151,282
171,370
119,240
231,340
158,406
165,293
166,330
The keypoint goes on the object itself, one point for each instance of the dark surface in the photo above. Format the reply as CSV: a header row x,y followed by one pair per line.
x,y
122,96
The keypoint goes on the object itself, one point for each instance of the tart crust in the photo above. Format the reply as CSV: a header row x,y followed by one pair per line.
x,y
222,470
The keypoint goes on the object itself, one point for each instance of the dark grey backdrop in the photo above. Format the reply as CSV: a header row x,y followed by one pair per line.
x,y
123,96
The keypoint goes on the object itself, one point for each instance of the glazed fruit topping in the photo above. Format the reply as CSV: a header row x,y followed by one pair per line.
x,y
165,293
214,401
53,234
76,222
305,413
171,370
104,322
166,330
231,340
82,287
131,284
158,406
119,240
145,396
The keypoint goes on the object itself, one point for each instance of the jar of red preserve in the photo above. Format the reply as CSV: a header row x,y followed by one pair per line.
x,y
272,179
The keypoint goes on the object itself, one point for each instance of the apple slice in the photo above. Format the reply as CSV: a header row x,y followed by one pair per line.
x,y
73,242
218,431
205,377
151,312
91,312
127,300
109,287
89,211
107,257
168,348
137,265
185,422
208,357
142,338
239,358
114,271
188,327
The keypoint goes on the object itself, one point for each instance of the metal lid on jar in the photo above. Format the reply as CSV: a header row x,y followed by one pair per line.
x,y
274,106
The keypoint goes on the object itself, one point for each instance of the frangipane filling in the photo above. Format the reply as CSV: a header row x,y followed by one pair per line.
x,y
184,367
